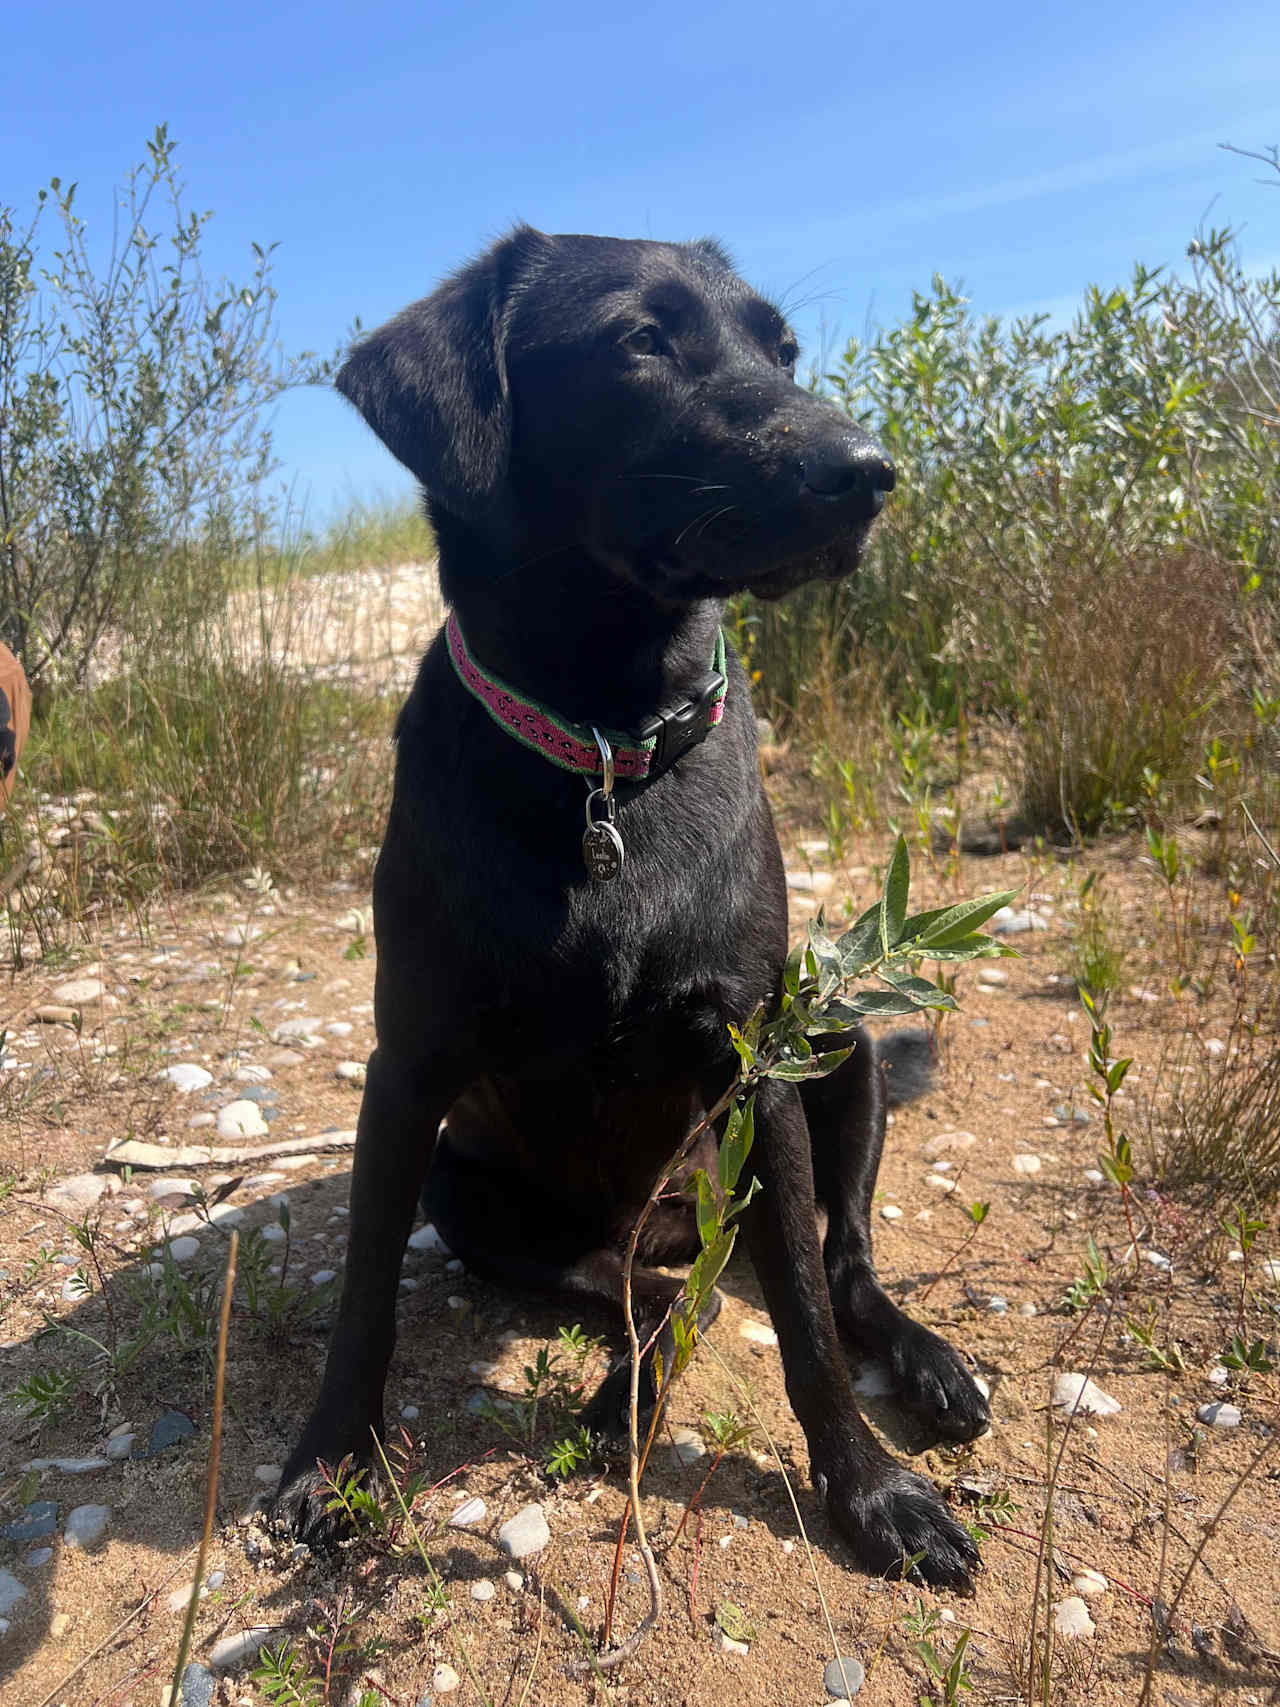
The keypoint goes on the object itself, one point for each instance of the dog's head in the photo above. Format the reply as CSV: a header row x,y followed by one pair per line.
x,y
632,400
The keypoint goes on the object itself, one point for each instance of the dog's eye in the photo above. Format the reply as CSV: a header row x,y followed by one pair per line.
x,y
788,353
644,341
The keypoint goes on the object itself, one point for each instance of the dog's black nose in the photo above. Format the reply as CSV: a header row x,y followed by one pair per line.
x,y
849,468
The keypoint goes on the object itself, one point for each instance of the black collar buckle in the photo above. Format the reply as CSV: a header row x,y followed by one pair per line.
x,y
683,723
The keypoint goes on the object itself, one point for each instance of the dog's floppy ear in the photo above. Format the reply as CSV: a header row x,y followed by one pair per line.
x,y
432,382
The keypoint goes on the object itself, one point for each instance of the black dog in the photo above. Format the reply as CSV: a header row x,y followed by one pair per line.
x,y
611,439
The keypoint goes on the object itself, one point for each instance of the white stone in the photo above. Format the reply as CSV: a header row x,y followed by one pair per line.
x,y
300,1029
890,1212
727,1645
323,1276
339,1028
86,1525
940,1182
1095,1176
1219,1375
427,1239
687,1447
1089,1584
993,976
273,1233
241,1120
182,1250
79,990
444,1680
1219,1415
482,1589
1071,1617
353,1072
233,1651
948,1143
1076,1394
251,1073
759,1333
468,1514
513,1580
1024,1163
186,1076
240,936
169,1187
120,1445
524,1534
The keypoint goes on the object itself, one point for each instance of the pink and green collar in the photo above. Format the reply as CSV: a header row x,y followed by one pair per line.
x,y
637,755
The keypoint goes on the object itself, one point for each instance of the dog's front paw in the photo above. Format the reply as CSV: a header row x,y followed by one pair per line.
x,y
306,1504
933,1384
900,1524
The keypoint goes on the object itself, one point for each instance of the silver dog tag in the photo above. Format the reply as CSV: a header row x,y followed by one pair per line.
x,y
602,849
602,853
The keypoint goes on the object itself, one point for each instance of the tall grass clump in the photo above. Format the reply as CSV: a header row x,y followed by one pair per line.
x,y
1085,534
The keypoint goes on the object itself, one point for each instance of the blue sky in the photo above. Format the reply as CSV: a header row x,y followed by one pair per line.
x,y
844,153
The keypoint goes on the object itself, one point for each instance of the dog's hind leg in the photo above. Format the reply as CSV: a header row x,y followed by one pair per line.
x,y
515,1233
399,1118
846,1115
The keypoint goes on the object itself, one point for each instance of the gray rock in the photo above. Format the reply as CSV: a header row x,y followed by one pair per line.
x,y
468,1514
169,1429
1073,1392
843,1678
524,1534
79,990
120,1445
38,1520
197,1687
168,1186
36,1557
11,1592
234,1651
86,1525
444,1680
67,1466
78,1193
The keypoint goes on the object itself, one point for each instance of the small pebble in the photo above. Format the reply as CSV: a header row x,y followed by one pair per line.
x,y
234,1651
444,1680
890,1212
482,1590
759,1333
242,1119
426,1239
727,1645
36,1557
687,1447
323,1276
1071,1618
513,1580
86,1525
410,1413
524,1534
186,1076
1027,1310
1090,1584
1076,1394
843,1678
182,1250
11,1591
120,1445
948,1143
1025,1163
1219,1414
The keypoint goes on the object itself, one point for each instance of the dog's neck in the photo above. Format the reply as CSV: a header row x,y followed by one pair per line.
x,y
590,646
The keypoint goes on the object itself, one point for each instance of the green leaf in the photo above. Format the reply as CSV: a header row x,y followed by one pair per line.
x,y
947,925
897,881
859,947
734,1622
736,1145
881,1004
708,1211
710,1264
920,992
792,968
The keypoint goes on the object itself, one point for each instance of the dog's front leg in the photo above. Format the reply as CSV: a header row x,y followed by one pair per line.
x,y
399,1118
886,1513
